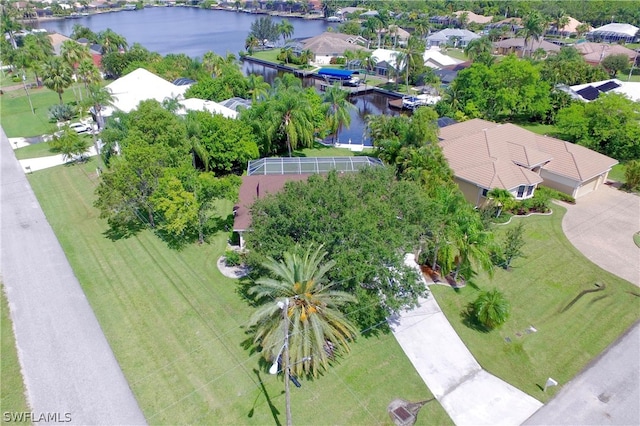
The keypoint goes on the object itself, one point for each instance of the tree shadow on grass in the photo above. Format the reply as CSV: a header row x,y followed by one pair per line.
x,y
117,231
469,319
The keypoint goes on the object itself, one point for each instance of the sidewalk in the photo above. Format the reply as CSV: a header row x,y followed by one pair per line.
x,y
470,395
34,164
66,361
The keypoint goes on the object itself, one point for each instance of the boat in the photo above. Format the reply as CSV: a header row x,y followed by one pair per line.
x,y
413,102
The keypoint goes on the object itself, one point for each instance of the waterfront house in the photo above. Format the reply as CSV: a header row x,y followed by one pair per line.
x,y
485,155
434,58
385,61
329,45
269,176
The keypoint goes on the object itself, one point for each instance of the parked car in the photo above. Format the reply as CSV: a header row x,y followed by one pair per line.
x,y
80,127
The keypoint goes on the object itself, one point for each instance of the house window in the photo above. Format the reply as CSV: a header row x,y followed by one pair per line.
x,y
530,190
485,191
521,189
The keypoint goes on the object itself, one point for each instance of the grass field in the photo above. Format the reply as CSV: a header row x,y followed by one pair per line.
x,y
617,173
541,129
15,112
12,392
176,327
541,288
34,151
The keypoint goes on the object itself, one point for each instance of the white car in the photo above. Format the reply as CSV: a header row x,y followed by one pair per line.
x,y
80,127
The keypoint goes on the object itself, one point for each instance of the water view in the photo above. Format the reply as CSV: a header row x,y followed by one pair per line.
x,y
195,31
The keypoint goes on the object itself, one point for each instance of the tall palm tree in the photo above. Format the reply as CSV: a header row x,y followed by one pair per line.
x,y
88,73
502,198
72,54
317,329
491,308
57,75
100,97
257,87
251,43
291,115
338,112
37,49
111,41
286,30
533,26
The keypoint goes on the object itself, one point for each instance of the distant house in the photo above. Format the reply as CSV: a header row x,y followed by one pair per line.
x,y
269,176
451,37
473,18
567,30
485,155
194,104
435,59
594,53
329,45
386,62
509,25
591,91
614,33
141,85
516,46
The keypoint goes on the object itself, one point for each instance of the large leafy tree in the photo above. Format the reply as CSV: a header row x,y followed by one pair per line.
x,y
57,75
338,111
615,63
227,144
318,330
265,30
569,67
367,222
609,125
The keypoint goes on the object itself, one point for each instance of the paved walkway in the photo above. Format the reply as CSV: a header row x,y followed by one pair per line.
x,y
606,392
601,225
470,395
67,364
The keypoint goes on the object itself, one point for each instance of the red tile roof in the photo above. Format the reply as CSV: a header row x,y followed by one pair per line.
x,y
255,187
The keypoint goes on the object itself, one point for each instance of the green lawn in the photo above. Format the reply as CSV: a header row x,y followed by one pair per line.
x,y
12,392
15,112
617,173
540,288
34,151
541,129
176,327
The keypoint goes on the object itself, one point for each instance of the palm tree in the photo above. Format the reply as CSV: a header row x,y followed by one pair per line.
x,y
257,87
401,63
291,115
582,29
338,111
111,41
286,30
533,26
318,330
478,47
251,43
37,49
502,198
491,308
100,97
57,75
560,21
73,53
88,73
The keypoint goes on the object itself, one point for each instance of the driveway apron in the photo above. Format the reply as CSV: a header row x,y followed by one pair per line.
x,y
601,225
69,370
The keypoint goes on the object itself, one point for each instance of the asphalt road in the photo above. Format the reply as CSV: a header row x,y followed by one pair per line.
x,y
70,373
606,392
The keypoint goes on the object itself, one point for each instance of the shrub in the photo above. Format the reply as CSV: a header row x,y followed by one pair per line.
x,y
232,258
632,175
556,195
62,112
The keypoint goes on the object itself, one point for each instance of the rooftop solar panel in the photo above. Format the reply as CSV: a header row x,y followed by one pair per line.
x,y
589,93
609,85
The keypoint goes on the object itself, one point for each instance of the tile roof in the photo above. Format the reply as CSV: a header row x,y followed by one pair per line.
x,y
332,43
518,43
255,187
493,155
595,52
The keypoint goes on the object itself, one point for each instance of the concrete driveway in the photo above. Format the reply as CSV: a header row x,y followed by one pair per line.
x,y
601,225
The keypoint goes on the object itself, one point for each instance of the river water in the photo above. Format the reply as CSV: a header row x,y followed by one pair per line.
x,y
195,31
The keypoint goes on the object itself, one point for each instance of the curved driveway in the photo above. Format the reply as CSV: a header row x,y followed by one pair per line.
x,y
69,370
601,225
